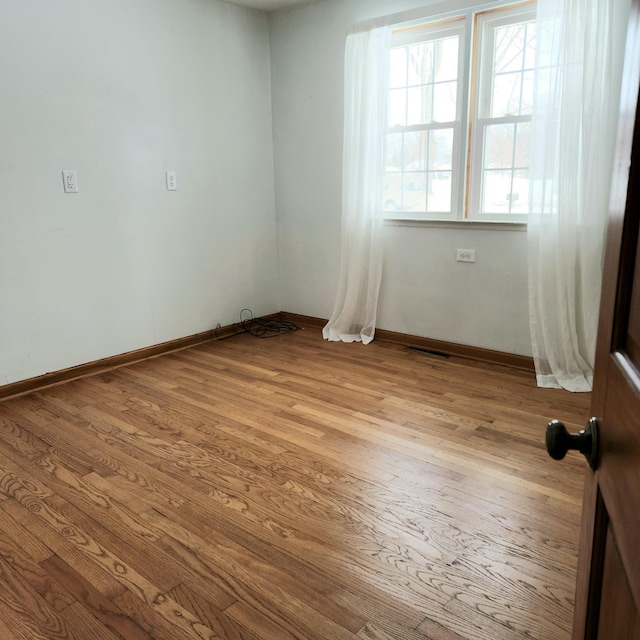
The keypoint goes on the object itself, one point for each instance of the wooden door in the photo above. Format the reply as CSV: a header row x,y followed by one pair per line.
x,y
608,589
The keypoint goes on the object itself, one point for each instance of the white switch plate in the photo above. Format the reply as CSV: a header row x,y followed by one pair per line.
x,y
466,255
69,181
172,183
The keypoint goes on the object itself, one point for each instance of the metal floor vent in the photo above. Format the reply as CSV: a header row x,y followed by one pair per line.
x,y
429,352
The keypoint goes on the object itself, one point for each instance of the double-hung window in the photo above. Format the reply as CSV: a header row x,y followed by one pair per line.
x,y
459,124
423,140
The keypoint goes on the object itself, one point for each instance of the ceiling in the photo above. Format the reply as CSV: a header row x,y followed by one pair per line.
x,y
267,5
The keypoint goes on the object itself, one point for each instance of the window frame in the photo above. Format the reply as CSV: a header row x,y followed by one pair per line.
x,y
479,112
415,35
467,152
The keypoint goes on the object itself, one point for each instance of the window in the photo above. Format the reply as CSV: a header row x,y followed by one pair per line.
x,y
423,139
457,149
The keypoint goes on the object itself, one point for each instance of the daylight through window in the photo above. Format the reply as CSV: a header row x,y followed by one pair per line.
x,y
454,150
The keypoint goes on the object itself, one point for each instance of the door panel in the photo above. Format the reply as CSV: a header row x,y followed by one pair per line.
x,y
620,618
618,476
608,585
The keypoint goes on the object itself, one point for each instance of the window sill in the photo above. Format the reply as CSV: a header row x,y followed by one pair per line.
x,y
457,224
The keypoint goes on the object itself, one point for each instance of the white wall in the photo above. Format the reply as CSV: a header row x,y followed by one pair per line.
x,y
120,91
424,291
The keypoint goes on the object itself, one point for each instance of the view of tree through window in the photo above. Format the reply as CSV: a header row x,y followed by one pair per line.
x,y
507,126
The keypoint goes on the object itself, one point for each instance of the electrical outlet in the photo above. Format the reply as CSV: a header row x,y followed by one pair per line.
x,y
466,255
70,182
172,183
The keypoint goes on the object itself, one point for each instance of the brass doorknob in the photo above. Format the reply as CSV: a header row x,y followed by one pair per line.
x,y
559,441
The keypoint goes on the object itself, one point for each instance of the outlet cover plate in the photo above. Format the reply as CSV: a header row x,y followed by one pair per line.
x,y
466,255
69,181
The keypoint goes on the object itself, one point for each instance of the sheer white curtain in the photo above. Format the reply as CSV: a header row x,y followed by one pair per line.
x,y
365,121
580,49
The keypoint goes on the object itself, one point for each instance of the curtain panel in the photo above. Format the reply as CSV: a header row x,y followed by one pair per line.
x,y
365,121
580,51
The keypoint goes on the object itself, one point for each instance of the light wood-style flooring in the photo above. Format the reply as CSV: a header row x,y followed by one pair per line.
x,y
289,488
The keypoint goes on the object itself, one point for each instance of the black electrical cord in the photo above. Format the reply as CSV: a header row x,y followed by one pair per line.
x,y
258,327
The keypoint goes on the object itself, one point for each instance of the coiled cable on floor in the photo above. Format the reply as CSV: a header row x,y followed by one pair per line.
x,y
258,327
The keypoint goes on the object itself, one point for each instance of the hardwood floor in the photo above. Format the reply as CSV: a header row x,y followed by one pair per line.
x,y
289,488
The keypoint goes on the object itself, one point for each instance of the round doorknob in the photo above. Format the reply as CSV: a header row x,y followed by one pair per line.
x,y
559,441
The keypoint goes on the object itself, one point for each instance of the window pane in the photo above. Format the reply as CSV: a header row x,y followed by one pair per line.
x,y
392,197
415,151
523,145
513,75
496,190
446,59
398,67
526,106
444,101
419,162
439,193
414,192
506,95
505,178
509,48
398,107
421,64
441,149
498,146
393,152
530,49
419,105
520,192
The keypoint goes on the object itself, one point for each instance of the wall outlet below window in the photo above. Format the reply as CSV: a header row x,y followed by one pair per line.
x,y
466,255
70,182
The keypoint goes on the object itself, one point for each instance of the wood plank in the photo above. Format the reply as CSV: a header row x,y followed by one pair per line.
x,y
205,608
25,612
109,615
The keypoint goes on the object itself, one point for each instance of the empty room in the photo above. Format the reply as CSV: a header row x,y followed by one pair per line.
x,y
319,320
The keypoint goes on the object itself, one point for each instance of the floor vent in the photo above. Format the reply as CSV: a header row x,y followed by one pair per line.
x,y
429,352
